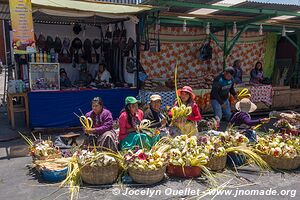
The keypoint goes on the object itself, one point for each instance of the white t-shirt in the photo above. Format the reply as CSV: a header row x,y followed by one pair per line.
x,y
104,76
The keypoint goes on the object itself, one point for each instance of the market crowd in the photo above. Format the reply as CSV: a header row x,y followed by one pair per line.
x,y
130,135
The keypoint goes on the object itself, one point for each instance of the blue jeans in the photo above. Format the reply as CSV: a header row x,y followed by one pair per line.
x,y
219,111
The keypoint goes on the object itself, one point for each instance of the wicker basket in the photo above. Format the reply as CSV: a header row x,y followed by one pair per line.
x,y
217,163
282,163
183,172
99,175
147,177
53,156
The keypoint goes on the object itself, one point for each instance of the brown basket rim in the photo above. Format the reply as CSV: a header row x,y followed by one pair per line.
x,y
281,162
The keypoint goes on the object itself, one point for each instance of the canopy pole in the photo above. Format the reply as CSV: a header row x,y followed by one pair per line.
x,y
225,47
298,59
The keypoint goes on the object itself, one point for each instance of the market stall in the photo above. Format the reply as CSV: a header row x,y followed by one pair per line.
x,y
203,45
80,50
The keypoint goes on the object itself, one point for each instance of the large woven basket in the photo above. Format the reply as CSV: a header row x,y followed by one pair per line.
x,y
217,163
147,177
282,163
183,172
99,175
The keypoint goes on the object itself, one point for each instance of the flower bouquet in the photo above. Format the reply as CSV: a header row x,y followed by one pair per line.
x,y
280,151
97,167
41,149
186,157
146,167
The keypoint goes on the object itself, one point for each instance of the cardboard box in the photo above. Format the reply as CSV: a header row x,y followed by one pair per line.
x,y
295,98
281,99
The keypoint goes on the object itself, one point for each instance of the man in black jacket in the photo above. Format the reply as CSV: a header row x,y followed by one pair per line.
x,y
154,113
222,87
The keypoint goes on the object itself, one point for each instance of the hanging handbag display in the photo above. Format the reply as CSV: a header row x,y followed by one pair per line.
x,y
116,37
123,38
65,55
57,45
87,47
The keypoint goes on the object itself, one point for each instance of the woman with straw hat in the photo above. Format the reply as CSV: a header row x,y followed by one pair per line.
x,y
129,120
242,118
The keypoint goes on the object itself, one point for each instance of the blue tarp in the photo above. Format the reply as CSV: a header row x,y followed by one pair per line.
x,y
56,109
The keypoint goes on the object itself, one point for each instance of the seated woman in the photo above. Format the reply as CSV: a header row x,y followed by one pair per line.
x,y
188,98
256,74
102,134
238,76
243,120
102,74
153,113
85,78
129,120
64,79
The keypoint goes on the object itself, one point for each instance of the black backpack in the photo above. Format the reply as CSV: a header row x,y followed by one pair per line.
x,y
205,52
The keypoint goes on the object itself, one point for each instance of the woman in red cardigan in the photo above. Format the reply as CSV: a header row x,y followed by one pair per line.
x,y
188,98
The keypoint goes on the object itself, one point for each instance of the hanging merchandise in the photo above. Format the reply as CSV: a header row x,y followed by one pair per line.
x,y
106,42
108,33
96,45
76,47
77,28
205,51
283,31
261,29
129,47
123,37
184,26
41,42
65,55
116,37
131,65
57,45
87,47
207,28
234,28
49,43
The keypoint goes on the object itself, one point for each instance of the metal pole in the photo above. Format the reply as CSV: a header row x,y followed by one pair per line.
x,y
137,45
225,47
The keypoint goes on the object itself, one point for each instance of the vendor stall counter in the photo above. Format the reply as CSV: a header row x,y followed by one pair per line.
x,y
57,108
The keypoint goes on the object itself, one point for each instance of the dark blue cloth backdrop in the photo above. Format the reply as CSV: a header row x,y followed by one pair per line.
x,y
56,109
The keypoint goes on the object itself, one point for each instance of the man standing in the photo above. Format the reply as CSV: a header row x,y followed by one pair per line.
x,y
222,86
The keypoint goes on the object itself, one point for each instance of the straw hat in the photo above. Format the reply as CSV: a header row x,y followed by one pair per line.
x,y
187,89
245,105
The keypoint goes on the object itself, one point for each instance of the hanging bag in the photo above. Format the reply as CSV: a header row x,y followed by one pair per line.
x,y
205,52
123,38
116,37
106,44
65,56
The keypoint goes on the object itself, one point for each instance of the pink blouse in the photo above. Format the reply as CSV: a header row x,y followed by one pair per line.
x,y
124,125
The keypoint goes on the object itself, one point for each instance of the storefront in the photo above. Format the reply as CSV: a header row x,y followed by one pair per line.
x,y
72,40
